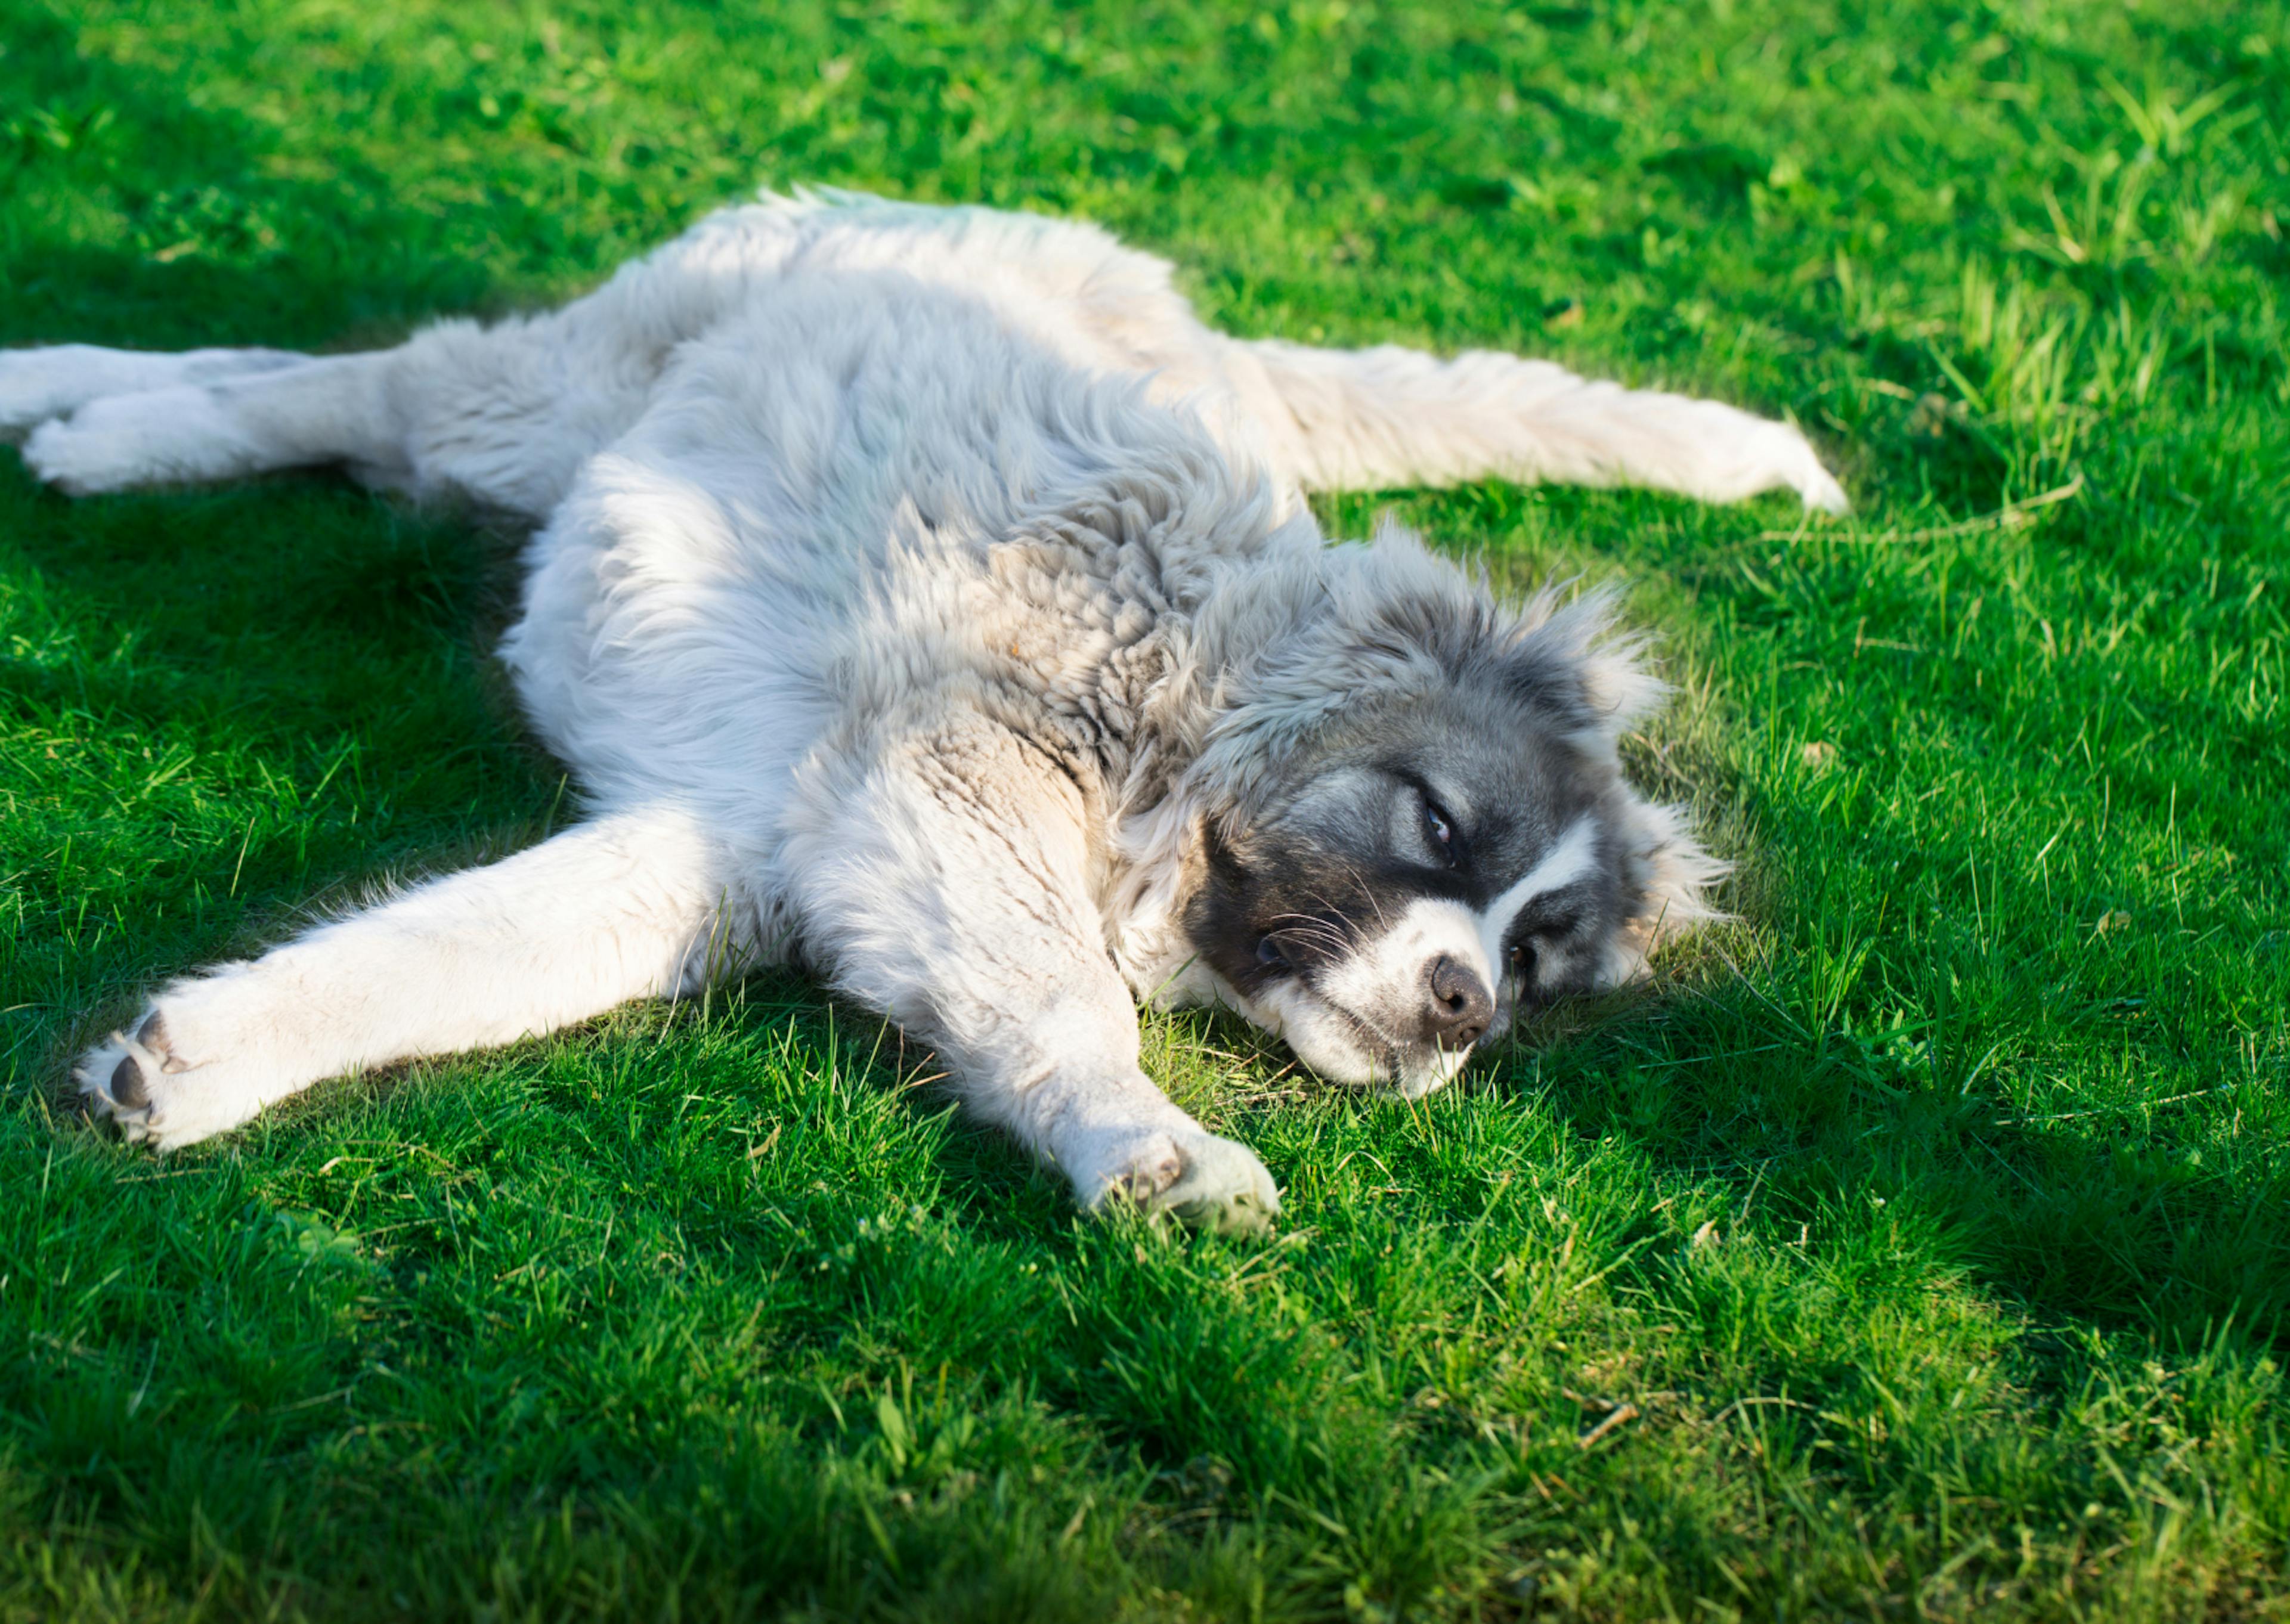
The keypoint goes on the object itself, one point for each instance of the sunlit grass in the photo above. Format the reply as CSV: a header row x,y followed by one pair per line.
x,y
1918,1245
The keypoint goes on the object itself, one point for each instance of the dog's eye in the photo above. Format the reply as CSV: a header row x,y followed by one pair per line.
x,y
1441,829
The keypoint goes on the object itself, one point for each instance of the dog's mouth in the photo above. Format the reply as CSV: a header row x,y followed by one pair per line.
x,y
1347,1045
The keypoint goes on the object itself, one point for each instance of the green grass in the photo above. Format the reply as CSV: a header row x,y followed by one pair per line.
x,y
1933,1222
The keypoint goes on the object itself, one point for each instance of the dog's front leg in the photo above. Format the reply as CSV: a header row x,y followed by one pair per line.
x,y
943,877
628,906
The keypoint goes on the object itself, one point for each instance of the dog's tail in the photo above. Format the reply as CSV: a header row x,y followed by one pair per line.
x,y
1375,418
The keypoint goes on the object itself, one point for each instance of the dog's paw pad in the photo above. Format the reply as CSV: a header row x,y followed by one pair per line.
x,y
1150,1172
152,1035
115,1077
127,1089
182,1071
130,1078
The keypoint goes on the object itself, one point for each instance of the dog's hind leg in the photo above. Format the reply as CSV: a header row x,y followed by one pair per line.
x,y
631,905
313,410
505,414
1373,419
60,378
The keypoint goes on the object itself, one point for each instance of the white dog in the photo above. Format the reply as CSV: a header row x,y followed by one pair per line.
x,y
926,594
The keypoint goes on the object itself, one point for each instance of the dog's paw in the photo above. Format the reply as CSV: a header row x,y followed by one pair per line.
x,y
57,379
36,385
156,1094
1818,487
1223,1187
39,384
1720,454
1203,1181
1777,455
124,441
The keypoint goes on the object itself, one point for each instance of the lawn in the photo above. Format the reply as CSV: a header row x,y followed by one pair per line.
x,y
1916,1246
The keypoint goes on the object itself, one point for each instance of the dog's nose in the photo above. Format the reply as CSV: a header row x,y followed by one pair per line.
x,y
1460,1007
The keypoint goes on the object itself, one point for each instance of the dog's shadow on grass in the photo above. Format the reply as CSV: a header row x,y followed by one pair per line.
x,y
2101,1216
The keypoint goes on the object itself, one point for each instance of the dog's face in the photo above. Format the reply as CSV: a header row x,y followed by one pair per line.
x,y
1421,875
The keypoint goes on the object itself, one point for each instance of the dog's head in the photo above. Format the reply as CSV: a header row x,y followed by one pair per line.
x,y
1427,831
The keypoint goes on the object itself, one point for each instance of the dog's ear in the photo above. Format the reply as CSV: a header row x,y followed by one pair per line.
x,y
1569,663
1670,874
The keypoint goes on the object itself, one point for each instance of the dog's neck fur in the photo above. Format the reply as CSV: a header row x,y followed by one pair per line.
x,y
1164,634
1138,606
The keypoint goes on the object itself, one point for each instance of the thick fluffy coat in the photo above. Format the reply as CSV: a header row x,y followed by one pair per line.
x,y
925,594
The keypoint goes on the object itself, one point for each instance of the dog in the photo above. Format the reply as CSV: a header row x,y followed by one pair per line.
x,y
927,597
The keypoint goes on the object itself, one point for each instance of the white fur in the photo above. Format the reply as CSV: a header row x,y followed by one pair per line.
x,y
38,384
1380,984
619,908
912,585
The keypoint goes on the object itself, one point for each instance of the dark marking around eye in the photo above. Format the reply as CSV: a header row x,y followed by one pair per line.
x,y
1555,913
